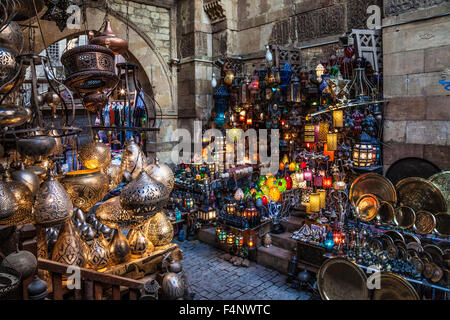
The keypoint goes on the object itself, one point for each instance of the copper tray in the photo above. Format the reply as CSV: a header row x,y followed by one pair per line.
x,y
394,287
410,238
425,222
420,194
435,252
341,279
395,235
372,183
367,207
404,217
442,181
385,214
443,225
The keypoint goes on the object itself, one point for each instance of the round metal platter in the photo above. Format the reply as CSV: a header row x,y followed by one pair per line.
x,y
395,235
341,279
410,238
372,183
394,287
386,240
420,194
443,225
417,247
385,213
425,222
411,167
404,217
438,273
367,207
436,253
442,181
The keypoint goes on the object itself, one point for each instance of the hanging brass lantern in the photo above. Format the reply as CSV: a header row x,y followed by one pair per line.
x,y
159,229
133,159
111,214
27,177
85,187
144,196
8,205
95,102
109,40
53,204
114,175
98,255
161,173
24,202
138,242
8,68
68,247
95,155
89,68
119,248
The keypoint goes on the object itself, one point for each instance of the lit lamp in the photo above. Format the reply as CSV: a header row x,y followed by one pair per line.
x,y
218,230
230,239
323,196
320,70
293,90
338,118
332,138
307,207
254,85
242,115
326,152
220,105
363,154
307,175
229,77
323,131
327,182
309,133
314,200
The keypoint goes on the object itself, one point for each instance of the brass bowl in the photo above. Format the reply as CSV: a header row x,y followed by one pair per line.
x,y
85,187
385,212
372,183
425,222
394,287
367,207
404,217
95,155
89,68
341,279
39,146
420,194
111,214
95,102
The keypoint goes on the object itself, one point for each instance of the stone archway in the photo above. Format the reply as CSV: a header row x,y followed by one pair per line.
x,y
141,48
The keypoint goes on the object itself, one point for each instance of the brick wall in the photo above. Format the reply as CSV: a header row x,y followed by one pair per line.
x,y
416,56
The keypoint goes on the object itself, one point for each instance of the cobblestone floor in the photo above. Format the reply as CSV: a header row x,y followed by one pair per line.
x,y
212,278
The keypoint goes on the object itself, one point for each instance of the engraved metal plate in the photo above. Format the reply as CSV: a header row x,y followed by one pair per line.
x,y
425,222
394,287
443,224
404,217
372,183
442,181
420,194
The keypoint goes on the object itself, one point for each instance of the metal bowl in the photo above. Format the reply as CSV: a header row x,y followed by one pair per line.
x,y
12,116
404,217
367,207
372,183
36,146
385,212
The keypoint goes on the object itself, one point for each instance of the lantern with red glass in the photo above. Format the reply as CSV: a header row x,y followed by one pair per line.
x,y
327,182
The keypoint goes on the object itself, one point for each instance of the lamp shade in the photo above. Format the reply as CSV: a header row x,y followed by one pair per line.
x,y
323,196
314,200
338,118
332,138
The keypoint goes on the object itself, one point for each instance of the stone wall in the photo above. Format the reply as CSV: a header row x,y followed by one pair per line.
x,y
416,57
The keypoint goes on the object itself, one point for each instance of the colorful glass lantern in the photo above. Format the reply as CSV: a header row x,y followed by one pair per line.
x,y
332,141
329,242
327,182
314,200
318,181
303,165
363,154
251,242
338,118
243,90
242,115
285,159
376,154
320,70
326,152
309,133
285,76
230,239
220,105
294,90
229,77
323,196
254,85
307,175
292,166
218,230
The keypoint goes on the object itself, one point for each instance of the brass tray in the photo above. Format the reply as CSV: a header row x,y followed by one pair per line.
x,y
435,252
367,207
341,279
443,225
442,181
395,235
411,238
404,217
385,214
394,287
420,194
372,183
417,247
425,222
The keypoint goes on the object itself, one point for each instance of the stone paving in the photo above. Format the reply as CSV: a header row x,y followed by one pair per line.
x,y
212,278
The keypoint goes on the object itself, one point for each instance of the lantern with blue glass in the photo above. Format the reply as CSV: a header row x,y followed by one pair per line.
x,y
294,90
329,242
285,75
220,105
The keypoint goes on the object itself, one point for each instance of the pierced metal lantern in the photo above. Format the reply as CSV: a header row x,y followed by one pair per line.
x,y
220,105
294,90
95,155
363,154
89,68
332,143
309,133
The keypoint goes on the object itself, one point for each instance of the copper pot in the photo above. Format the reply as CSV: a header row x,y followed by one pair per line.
x,y
85,187
89,68
110,40
39,146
